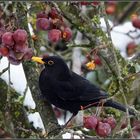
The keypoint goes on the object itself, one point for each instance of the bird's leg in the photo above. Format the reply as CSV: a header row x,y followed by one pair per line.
x,y
65,115
101,104
89,105
73,115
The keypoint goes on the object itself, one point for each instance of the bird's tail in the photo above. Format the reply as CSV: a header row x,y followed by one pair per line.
x,y
116,105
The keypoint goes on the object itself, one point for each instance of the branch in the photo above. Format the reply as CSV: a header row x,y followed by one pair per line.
x,y
32,71
117,67
4,70
18,116
76,21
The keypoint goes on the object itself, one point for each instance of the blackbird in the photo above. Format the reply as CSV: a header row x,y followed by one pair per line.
x,y
68,90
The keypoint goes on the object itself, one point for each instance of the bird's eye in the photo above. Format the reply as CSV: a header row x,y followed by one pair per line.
x,y
50,62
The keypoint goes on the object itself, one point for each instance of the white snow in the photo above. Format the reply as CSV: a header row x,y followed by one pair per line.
x,y
37,122
119,37
66,136
120,41
18,79
42,48
76,137
78,38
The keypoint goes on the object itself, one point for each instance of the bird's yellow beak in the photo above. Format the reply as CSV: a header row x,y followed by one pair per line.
x,y
38,59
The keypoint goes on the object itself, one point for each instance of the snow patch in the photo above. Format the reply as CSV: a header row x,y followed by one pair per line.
x,y
37,122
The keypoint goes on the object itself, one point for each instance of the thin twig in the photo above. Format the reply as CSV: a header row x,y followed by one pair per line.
x,y
71,19
4,70
9,73
25,91
128,34
23,129
131,75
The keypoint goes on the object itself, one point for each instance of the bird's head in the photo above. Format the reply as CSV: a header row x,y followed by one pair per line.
x,y
54,65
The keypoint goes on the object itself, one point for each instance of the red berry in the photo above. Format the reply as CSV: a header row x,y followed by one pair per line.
x,y
67,34
90,122
95,3
110,9
124,125
103,129
41,15
57,24
12,54
131,48
28,53
136,23
53,13
111,121
13,61
20,36
19,55
84,3
54,35
13,58
20,47
7,38
4,51
42,24
97,60
131,45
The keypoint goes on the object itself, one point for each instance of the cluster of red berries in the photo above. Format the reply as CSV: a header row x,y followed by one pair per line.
x,y
103,127
111,7
131,48
14,46
53,22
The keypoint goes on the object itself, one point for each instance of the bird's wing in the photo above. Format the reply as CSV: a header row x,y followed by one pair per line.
x,y
89,91
92,93
79,89
66,90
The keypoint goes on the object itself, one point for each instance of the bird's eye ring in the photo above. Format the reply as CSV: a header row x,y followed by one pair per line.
x,y
50,62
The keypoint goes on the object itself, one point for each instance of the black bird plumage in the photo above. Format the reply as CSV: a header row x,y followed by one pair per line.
x,y
68,90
